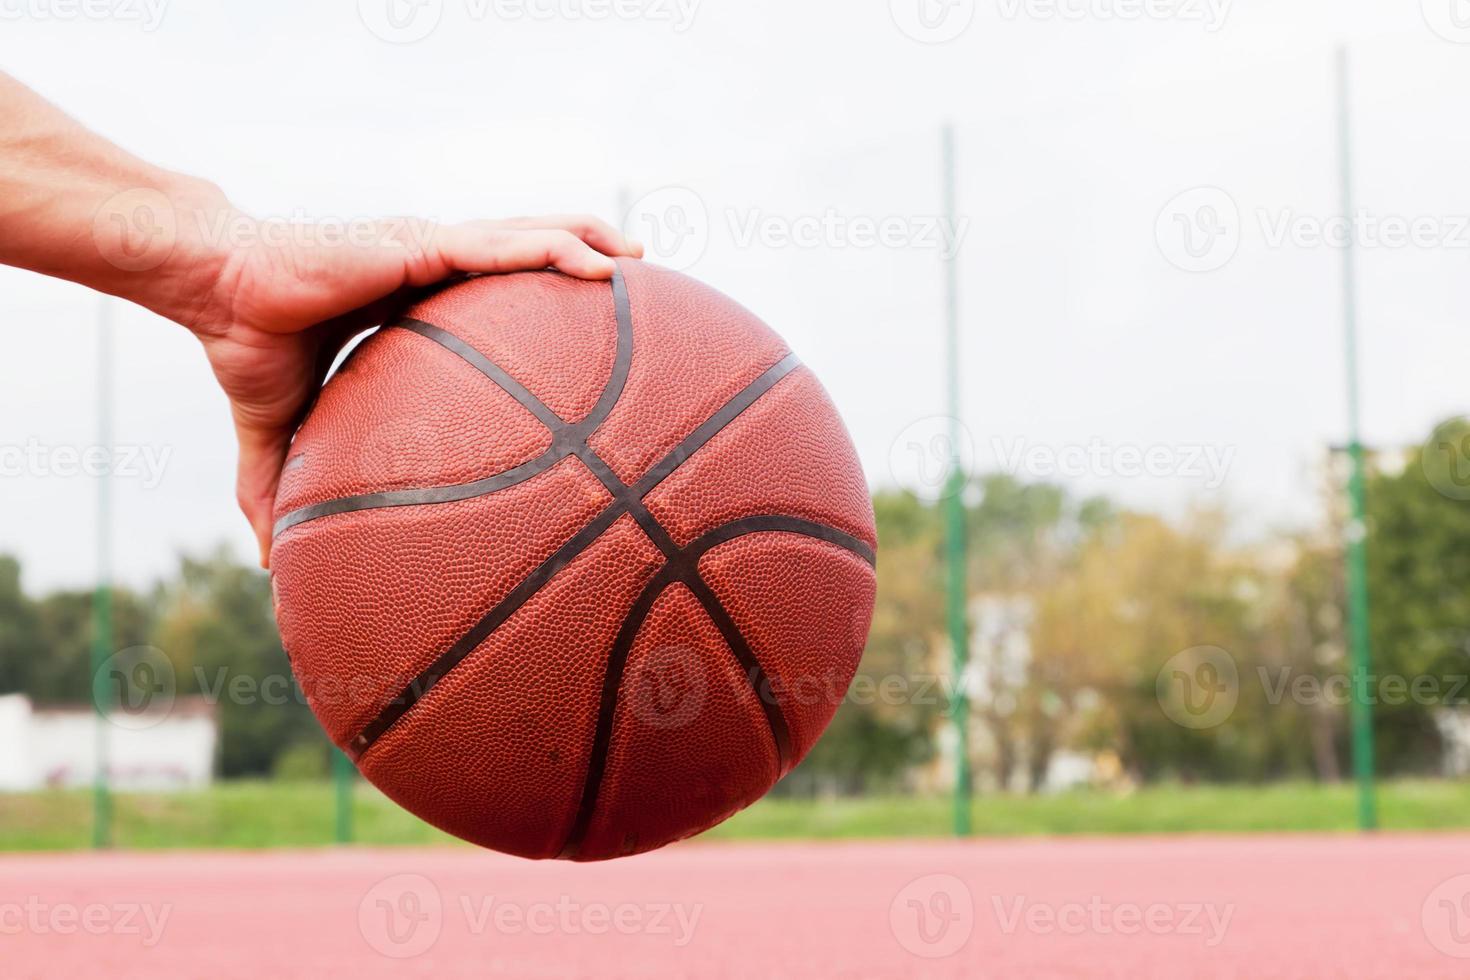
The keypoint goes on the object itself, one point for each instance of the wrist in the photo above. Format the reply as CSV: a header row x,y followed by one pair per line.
x,y
166,245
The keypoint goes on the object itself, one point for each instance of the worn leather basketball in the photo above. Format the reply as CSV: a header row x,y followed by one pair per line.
x,y
574,569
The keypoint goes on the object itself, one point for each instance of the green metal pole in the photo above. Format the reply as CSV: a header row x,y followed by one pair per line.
x,y
954,512
1357,532
102,597
343,775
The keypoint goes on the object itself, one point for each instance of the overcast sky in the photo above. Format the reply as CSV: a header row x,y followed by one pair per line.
x,y
1144,188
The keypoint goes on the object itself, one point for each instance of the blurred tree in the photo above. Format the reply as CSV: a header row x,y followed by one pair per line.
x,y
1139,593
1022,537
21,648
216,626
1303,637
62,672
886,724
1419,589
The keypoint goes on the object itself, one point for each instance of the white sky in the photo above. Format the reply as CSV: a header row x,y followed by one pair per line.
x,y
1074,133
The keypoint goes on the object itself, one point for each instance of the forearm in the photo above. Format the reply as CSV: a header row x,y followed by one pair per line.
x,y
75,206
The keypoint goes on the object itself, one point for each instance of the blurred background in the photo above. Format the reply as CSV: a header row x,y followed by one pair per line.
x,y
1076,273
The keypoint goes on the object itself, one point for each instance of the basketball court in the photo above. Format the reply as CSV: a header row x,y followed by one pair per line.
x,y
1389,906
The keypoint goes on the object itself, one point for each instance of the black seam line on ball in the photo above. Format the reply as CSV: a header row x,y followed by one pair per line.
x,y
684,567
502,611
488,368
565,436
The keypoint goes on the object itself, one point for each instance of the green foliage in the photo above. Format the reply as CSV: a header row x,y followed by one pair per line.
x,y
1419,589
216,625
1103,599
258,814
303,762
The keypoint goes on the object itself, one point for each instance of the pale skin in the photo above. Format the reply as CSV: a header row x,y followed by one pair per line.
x,y
271,311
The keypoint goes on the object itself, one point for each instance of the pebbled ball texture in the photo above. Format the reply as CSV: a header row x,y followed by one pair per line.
x,y
574,569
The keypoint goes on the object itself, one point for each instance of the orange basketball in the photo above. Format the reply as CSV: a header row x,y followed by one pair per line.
x,y
574,569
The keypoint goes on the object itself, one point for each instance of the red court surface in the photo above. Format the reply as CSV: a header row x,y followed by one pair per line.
x,y
1281,906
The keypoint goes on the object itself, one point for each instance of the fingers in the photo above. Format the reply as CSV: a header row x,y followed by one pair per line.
x,y
262,454
594,231
467,248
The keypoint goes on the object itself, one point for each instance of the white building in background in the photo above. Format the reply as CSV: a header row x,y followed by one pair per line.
x,y
1000,659
57,747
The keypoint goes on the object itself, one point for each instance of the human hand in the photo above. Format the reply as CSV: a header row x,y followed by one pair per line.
x,y
275,316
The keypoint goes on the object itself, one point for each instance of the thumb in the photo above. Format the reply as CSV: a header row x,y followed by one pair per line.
x,y
262,454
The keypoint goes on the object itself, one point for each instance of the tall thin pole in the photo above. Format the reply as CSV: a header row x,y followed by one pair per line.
x,y
344,775
954,508
1357,543
102,597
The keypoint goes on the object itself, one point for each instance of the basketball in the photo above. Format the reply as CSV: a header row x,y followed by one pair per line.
x,y
574,569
